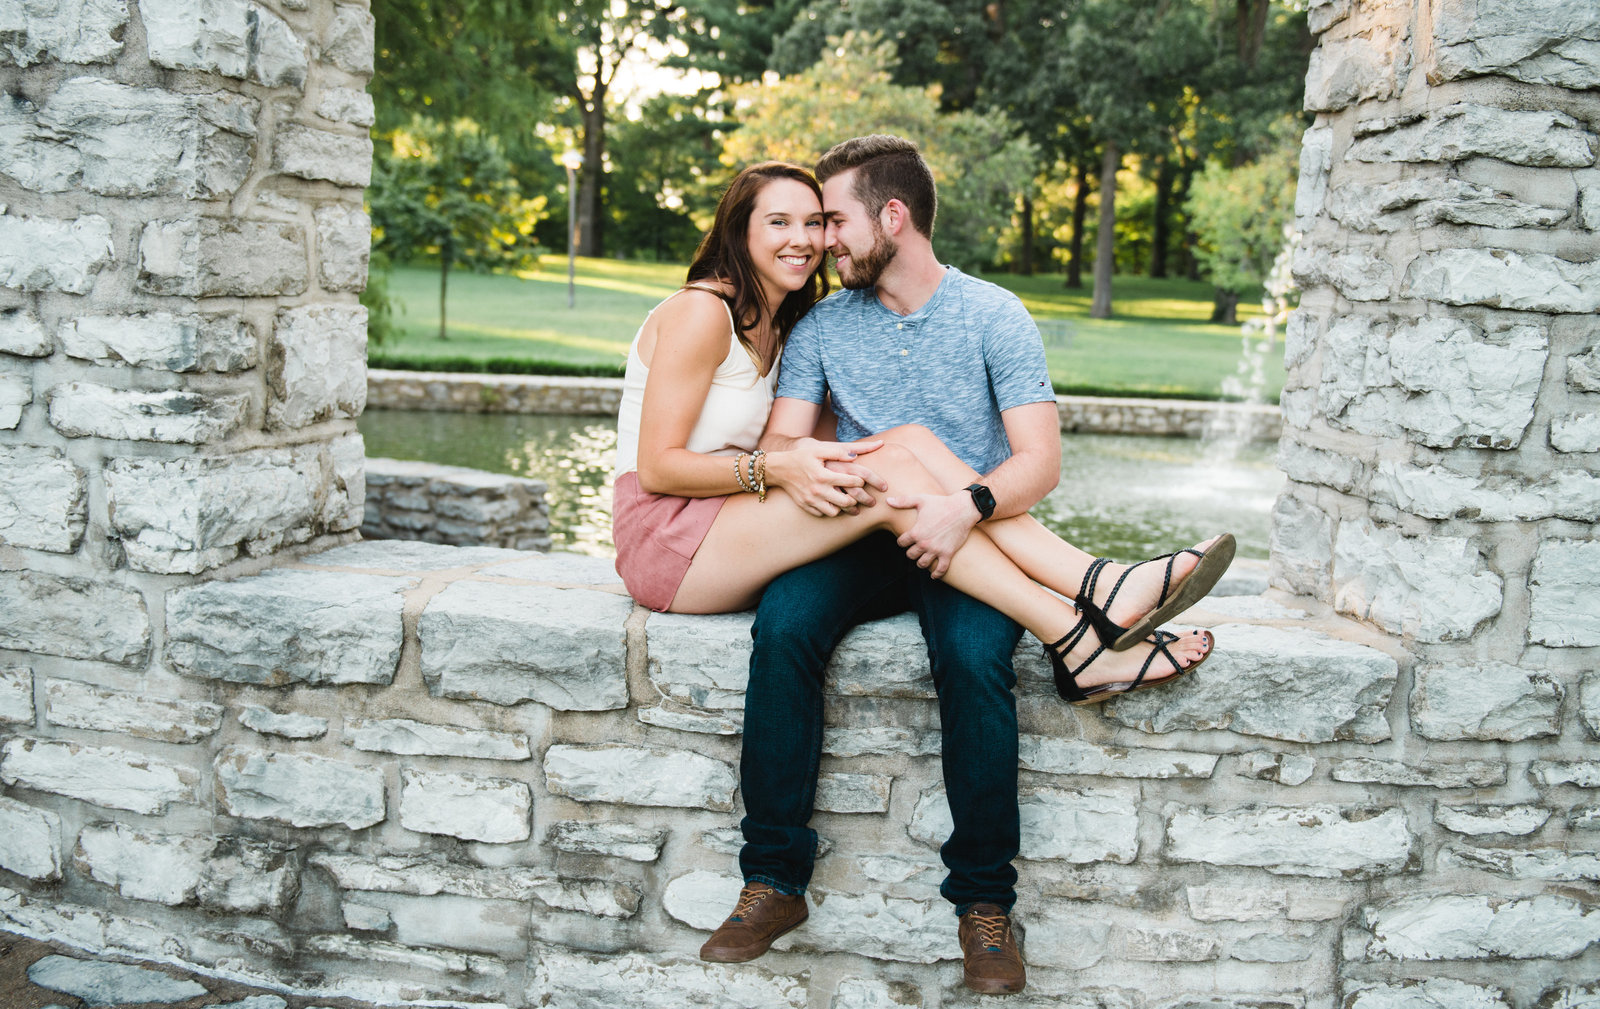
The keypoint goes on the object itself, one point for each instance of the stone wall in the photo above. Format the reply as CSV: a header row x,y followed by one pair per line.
x,y
454,505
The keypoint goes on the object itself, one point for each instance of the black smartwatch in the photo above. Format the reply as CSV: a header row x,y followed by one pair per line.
x,y
983,499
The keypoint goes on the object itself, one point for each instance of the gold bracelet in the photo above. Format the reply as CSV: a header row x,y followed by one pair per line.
x,y
738,473
759,461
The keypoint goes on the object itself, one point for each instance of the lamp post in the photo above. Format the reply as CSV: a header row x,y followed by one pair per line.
x,y
572,160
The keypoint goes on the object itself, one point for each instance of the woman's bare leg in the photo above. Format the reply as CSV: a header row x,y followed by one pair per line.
x,y
750,543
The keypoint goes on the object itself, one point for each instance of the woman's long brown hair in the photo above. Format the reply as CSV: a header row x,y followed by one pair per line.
x,y
724,254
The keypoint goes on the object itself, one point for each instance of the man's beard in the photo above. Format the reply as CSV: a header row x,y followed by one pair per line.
x,y
866,268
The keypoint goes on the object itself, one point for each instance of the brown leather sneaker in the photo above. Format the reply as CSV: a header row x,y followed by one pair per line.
x,y
761,916
990,960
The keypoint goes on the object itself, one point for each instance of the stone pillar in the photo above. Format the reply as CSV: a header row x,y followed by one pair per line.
x,y
1441,416
182,352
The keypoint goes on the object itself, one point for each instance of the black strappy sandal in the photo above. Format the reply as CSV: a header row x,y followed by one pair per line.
x,y
1067,679
1214,561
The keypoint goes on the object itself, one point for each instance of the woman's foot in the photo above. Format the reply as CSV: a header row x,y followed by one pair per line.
x,y
1134,599
1087,672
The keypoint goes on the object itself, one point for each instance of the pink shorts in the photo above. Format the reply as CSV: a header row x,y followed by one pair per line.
x,y
656,537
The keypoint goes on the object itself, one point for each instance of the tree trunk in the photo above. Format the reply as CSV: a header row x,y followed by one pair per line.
x,y
1080,207
1251,27
1225,307
1106,241
444,285
1163,224
590,241
1025,259
1188,264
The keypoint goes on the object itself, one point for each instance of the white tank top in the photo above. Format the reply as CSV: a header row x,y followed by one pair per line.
x,y
732,418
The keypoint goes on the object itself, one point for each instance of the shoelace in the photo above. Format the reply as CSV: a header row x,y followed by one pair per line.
x,y
748,899
992,931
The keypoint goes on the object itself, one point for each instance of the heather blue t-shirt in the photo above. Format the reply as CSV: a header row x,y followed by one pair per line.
x,y
952,365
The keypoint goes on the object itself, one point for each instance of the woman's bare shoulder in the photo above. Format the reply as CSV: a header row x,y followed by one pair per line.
x,y
693,322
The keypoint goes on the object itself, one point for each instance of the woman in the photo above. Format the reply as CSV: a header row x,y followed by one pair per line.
x,y
696,533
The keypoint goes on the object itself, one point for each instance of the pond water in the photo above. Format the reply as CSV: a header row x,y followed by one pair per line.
x,y
1121,496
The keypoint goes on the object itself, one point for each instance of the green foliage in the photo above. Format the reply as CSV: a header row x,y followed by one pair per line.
x,y
663,183
1239,216
978,161
378,301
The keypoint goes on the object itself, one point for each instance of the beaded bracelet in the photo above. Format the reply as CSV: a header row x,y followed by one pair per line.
x,y
738,474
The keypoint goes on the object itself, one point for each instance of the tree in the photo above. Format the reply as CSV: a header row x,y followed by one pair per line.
x,y
978,161
447,190
1239,216
663,184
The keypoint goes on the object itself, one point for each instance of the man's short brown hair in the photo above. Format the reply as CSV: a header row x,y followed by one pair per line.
x,y
887,168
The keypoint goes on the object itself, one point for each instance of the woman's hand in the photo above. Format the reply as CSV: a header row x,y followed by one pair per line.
x,y
823,477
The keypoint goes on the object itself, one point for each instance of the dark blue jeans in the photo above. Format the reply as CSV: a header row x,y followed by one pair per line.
x,y
802,616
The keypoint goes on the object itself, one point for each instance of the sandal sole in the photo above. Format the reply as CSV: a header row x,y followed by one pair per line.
x,y
1194,588
1111,690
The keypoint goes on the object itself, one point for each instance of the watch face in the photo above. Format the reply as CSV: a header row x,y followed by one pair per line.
x,y
982,497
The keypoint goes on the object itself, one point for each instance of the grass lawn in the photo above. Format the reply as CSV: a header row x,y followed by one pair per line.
x,y
1159,341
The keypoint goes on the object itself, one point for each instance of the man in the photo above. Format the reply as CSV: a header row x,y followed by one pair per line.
x,y
909,341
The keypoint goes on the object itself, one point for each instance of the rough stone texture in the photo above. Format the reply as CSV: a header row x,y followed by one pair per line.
x,y
1565,585
1542,139
344,244
309,153
300,789
76,31
1537,41
162,340
1217,903
1455,774
1435,588
347,105
1477,927
1479,820
1302,545
425,876
1061,938
1583,773
1168,946
1283,768
639,776
100,982
1070,756
16,392
468,806
1072,825
222,257
30,840
1432,993
839,792
106,776
43,499
1576,434
139,865
316,363
1437,493
1355,69
22,334
1357,274
16,695
1322,840
871,993
73,617
289,726
84,706
1488,701
1560,864
1298,686
1500,278
1588,702
404,735
241,40
82,409
1422,203
510,643
882,740
288,626
45,254
587,981
467,507
620,840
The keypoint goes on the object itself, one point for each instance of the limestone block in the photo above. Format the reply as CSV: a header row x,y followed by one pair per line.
x,y
871,993
21,334
317,364
702,661
590,981
77,618
47,254
1583,773
839,792
348,42
88,410
1053,755
411,555
1565,605
879,740
43,500
422,875
104,775
170,720
1316,161
344,243
1462,926
1224,903
858,667
634,842
463,923
16,695
1584,818
1429,993
218,257
1322,840
1540,139
75,31
1560,864
1436,492
98,982
1423,203
508,643
365,918
286,626
249,877
1588,702
346,105
1435,588
1301,541
1500,278
1069,824
1154,945
16,392
140,865
1583,371
30,840
1346,71
404,735
1482,819
639,776
1578,433
1283,768
1061,937
241,40
1324,14
162,340
289,726
1491,700
300,789
683,720
1427,774
469,806
346,502
1299,408
1305,464
1537,41
1295,684
1357,274
309,153
1572,997
385,956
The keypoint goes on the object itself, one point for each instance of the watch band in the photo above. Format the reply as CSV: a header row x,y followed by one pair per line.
x,y
982,499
